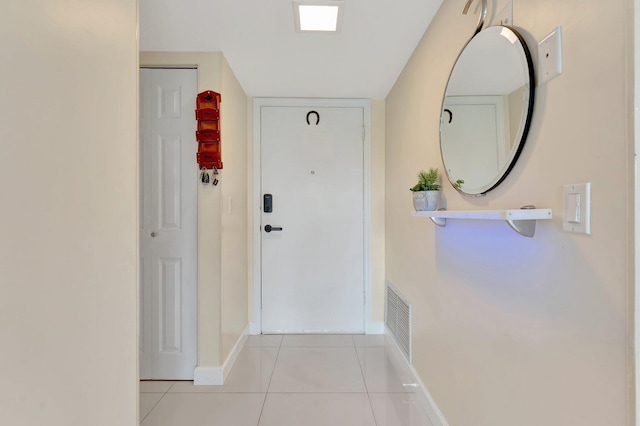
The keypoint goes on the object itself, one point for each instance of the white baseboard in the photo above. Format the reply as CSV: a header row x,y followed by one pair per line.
x,y
216,375
233,355
208,375
370,327
373,327
423,397
254,329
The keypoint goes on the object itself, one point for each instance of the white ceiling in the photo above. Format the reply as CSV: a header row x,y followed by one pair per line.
x,y
271,59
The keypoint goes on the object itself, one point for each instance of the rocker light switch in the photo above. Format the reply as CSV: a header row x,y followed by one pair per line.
x,y
577,206
573,208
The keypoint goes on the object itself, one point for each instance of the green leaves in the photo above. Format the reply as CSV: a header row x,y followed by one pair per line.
x,y
427,181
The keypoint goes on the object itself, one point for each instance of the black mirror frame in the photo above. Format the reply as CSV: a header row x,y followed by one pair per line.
x,y
529,117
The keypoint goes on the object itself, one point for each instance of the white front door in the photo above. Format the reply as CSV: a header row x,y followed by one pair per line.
x,y
168,224
313,269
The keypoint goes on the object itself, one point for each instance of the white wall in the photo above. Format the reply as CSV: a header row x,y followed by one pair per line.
x,y
235,266
509,330
68,213
377,212
636,296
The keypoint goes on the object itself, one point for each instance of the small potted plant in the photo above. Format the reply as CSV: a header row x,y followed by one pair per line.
x,y
426,193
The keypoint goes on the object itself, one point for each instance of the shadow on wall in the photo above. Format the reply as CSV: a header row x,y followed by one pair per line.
x,y
475,257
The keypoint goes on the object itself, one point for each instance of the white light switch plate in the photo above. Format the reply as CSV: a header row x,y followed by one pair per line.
x,y
550,56
577,208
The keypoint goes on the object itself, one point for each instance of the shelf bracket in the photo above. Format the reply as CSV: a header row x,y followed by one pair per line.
x,y
440,221
523,227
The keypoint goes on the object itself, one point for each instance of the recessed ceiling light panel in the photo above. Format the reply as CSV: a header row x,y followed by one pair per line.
x,y
318,16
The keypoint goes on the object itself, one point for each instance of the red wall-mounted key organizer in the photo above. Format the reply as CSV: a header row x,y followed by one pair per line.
x,y
208,134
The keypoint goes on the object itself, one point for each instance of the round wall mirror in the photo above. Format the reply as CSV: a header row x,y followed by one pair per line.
x,y
486,111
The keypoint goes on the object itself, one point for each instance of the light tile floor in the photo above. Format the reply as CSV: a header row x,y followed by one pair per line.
x,y
301,380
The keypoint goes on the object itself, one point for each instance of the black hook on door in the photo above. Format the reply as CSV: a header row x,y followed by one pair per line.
x,y
317,117
450,114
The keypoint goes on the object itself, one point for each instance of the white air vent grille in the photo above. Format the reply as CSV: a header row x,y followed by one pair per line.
x,y
398,319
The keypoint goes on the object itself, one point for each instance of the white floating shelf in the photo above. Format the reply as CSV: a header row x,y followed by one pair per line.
x,y
523,221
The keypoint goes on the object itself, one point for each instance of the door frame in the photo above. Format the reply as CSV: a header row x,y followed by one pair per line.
x,y
634,349
258,103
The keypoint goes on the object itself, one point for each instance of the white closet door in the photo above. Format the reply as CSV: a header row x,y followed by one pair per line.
x,y
168,224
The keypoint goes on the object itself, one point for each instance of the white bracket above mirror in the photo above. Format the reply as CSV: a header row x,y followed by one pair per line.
x,y
483,14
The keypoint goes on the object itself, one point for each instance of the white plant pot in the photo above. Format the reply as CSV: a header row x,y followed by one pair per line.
x,y
426,200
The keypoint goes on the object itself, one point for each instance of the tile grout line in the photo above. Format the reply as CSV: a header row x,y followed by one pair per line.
x,y
152,408
266,394
158,402
365,384
265,390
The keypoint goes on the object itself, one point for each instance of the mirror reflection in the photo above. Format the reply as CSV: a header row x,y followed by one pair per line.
x,y
487,109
